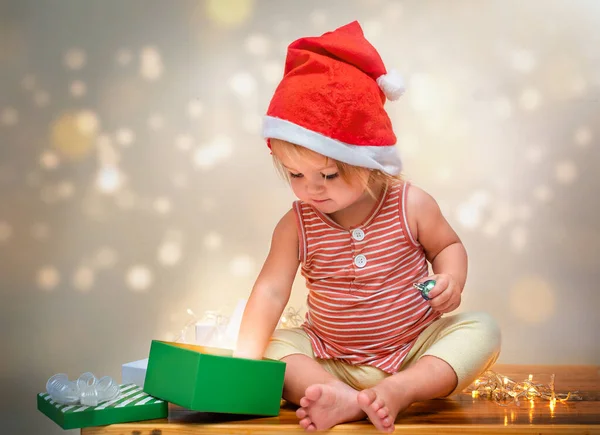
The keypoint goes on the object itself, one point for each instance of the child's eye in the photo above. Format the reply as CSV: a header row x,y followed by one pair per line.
x,y
330,176
295,175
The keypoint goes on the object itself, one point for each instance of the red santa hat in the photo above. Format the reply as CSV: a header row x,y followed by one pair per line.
x,y
331,99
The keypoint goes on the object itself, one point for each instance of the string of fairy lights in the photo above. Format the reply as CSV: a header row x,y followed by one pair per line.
x,y
489,385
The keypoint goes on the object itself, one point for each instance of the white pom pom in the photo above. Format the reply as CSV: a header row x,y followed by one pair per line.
x,y
391,84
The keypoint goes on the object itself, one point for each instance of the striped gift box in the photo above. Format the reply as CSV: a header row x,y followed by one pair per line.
x,y
131,405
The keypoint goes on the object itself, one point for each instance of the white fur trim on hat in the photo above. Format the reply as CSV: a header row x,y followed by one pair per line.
x,y
392,85
384,157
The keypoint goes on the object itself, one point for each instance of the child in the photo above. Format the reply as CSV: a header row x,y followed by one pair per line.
x,y
371,344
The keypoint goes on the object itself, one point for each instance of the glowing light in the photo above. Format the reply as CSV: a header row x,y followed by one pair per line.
x,y
243,84
126,199
257,45
72,134
209,155
372,29
48,278
241,266
503,107
139,278
208,204
533,154
156,122
469,215
151,65
518,238
41,98
252,123
169,254
318,18
40,231
109,179
179,180
124,56
124,136
184,142
75,59
491,228
583,136
530,99
49,195
272,71
229,13
480,198
543,193
162,205
28,82
213,240
78,88
566,172
107,153
195,109
87,122
83,279
105,258
532,300
5,231
502,212
49,160
9,116
523,61
524,212
65,189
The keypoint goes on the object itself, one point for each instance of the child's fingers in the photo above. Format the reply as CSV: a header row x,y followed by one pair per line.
x,y
441,283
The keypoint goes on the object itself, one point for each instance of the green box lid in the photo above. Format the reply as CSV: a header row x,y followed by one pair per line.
x,y
133,404
211,380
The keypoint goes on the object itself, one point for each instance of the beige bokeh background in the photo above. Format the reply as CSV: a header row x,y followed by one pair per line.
x,y
134,182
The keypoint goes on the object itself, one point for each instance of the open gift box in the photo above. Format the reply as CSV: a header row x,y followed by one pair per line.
x,y
209,379
132,404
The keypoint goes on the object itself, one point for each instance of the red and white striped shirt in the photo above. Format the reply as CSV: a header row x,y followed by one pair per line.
x,y
362,307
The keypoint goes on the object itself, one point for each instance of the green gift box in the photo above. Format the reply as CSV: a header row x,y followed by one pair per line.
x,y
211,380
133,404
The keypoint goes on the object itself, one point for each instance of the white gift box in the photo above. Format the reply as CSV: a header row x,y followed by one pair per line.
x,y
224,336
134,372
210,332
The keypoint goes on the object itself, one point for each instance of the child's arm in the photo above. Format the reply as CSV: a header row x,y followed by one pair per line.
x,y
271,291
442,247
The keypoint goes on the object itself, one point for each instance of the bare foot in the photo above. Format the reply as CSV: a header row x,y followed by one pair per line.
x,y
325,405
382,406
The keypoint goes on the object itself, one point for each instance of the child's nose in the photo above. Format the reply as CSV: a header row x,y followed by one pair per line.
x,y
313,187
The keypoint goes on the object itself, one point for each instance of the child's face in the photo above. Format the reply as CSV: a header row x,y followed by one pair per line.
x,y
316,181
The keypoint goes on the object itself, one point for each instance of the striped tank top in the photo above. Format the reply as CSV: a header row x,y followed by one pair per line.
x,y
362,307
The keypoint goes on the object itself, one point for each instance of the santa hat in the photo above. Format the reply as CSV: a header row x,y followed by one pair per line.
x,y
331,99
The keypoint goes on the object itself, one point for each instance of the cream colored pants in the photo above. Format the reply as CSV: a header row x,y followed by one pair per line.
x,y
468,342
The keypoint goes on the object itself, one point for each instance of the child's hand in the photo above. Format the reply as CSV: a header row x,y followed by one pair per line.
x,y
445,296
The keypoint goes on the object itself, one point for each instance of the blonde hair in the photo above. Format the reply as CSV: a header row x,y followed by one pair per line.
x,y
349,173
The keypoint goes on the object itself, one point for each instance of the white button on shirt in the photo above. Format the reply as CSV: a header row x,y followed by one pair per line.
x,y
360,260
358,234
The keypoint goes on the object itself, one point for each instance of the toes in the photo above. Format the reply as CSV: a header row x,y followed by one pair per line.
x,y
305,423
366,398
305,402
383,412
314,392
377,405
301,413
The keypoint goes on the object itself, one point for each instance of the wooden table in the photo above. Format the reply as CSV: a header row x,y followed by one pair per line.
x,y
459,414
